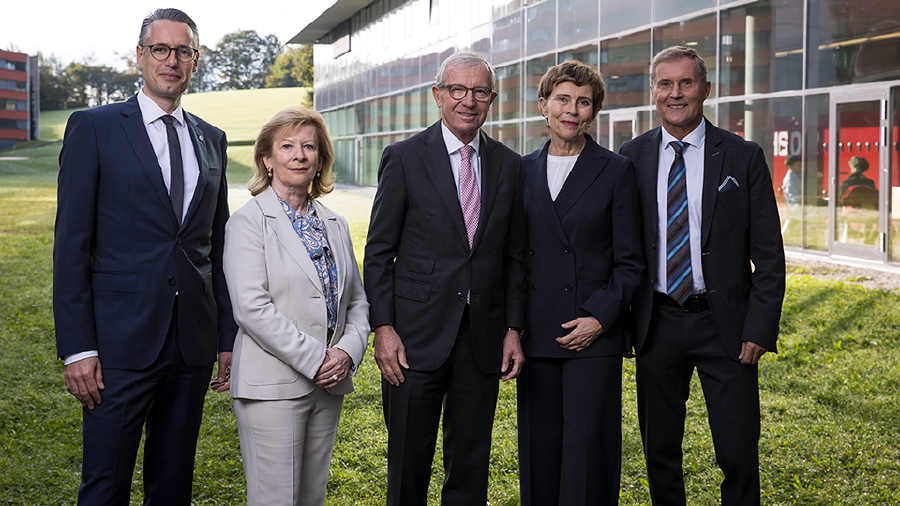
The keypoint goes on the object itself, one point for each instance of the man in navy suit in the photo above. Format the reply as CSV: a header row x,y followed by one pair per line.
x,y
711,297
139,296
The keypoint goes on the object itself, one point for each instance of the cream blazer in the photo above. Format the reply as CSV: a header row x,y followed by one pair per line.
x,y
279,305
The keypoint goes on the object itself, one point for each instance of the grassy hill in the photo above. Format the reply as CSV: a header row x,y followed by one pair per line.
x,y
241,113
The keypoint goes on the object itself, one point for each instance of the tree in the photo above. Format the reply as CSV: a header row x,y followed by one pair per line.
x,y
53,82
292,68
244,59
207,76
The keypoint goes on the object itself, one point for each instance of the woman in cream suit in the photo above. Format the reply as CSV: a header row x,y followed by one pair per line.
x,y
302,312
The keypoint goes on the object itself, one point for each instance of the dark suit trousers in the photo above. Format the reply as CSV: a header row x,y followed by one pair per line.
x,y
168,398
677,342
412,412
570,431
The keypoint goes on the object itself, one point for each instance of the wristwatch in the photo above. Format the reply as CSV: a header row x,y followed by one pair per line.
x,y
516,329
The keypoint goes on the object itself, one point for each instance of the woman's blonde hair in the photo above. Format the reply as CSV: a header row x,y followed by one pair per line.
x,y
290,120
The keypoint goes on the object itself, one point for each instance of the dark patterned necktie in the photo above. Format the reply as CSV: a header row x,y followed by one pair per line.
x,y
176,184
679,280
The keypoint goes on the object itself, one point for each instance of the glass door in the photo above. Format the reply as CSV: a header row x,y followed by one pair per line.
x,y
860,180
623,128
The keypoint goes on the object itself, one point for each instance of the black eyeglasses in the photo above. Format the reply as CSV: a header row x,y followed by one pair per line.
x,y
459,92
161,52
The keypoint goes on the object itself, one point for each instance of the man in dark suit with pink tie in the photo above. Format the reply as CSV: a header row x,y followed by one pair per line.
x,y
711,297
139,295
445,277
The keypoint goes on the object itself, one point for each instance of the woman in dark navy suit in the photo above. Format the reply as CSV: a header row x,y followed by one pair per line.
x,y
584,264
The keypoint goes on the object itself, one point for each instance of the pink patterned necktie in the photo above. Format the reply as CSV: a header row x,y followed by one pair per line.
x,y
468,189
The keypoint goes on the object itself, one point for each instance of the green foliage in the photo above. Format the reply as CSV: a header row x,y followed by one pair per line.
x,y
829,397
244,58
293,67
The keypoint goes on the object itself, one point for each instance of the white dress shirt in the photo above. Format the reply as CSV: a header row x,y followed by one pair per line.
x,y
156,130
558,170
453,146
693,164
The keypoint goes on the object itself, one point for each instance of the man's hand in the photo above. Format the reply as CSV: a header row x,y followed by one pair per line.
x,y
334,368
513,358
222,381
84,380
390,354
586,330
750,353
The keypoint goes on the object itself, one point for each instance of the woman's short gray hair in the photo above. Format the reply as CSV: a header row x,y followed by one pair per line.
x,y
465,59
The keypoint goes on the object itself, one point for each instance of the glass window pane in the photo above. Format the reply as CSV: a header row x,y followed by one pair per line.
x,y
508,104
852,41
603,130
508,134
343,167
667,9
586,55
771,123
625,64
432,113
620,15
541,27
769,35
699,33
535,70
858,136
536,134
577,21
894,171
504,7
507,39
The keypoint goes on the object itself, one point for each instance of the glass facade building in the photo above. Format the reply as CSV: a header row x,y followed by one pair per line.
x,y
814,79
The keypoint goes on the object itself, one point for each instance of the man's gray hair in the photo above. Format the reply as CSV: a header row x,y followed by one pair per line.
x,y
465,59
674,53
169,15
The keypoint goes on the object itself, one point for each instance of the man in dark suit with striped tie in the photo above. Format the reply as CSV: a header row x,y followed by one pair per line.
x,y
712,292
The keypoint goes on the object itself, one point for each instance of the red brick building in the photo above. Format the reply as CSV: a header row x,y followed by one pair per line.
x,y
18,97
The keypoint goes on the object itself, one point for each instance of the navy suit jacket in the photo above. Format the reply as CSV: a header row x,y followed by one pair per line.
x,y
120,257
418,264
584,250
740,225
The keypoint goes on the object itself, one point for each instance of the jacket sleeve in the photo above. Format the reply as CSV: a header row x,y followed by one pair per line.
x,y
355,338
79,174
383,241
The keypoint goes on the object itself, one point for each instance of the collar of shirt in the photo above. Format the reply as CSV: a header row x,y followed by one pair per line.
x,y
152,112
694,165
453,146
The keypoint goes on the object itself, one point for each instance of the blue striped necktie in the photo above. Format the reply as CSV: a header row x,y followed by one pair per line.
x,y
679,280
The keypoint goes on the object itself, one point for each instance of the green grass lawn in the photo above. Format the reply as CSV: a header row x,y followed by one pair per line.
x,y
830,403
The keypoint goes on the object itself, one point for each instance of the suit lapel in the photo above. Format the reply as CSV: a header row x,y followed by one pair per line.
x,y
335,237
202,160
437,163
649,162
133,124
712,173
287,236
590,164
539,194
489,183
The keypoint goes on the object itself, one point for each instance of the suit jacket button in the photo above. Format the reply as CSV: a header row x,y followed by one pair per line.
x,y
171,281
531,251
178,240
567,251
567,288
533,287
461,296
